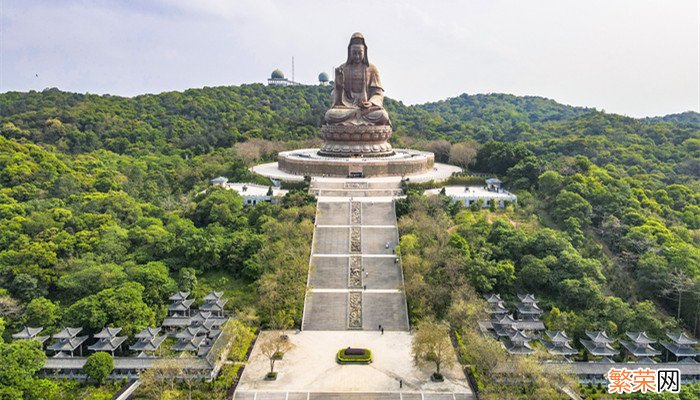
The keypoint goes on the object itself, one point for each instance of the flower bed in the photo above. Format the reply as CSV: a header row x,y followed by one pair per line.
x,y
354,356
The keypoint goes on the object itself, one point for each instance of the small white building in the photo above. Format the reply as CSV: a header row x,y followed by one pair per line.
x,y
469,194
253,193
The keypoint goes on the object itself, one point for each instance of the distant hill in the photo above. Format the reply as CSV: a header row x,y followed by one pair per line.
x,y
688,117
199,120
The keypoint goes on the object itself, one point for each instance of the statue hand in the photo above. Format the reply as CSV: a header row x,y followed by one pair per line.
x,y
367,104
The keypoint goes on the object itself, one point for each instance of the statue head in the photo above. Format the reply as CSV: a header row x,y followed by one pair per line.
x,y
357,50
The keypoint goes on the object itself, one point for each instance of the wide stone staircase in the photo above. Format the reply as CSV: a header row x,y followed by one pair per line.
x,y
355,279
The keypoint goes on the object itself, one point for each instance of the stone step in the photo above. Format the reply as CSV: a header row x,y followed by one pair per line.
x,y
355,184
335,213
385,309
325,312
356,193
329,273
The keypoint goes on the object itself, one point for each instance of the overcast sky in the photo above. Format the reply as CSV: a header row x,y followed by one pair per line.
x,y
633,57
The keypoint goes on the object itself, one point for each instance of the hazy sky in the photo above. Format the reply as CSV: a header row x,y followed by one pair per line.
x,y
633,57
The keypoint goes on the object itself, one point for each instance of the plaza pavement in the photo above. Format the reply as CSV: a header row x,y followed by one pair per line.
x,y
310,368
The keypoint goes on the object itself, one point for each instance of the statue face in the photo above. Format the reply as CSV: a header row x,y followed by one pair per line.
x,y
357,53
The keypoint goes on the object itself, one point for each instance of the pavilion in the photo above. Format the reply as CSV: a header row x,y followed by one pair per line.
x,y
180,307
214,303
31,333
681,346
148,341
108,340
495,305
599,345
640,346
558,344
67,342
528,309
518,343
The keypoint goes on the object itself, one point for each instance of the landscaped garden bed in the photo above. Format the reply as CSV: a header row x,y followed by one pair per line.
x,y
354,356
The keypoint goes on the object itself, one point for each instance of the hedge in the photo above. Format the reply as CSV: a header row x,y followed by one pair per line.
x,y
363,357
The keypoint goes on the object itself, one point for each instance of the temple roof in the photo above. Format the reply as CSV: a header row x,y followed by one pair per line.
x,y
599,337
557,336
493,298
179,296
213,305
147,333
518,347
181,305
27,333
519,337
681,338
107,333
527,298
529,308
188,344
496,308
108,344
190,332
680,350
599,349
640,350
67,333
201,316
640,337
504,320
559,348
148,344
67,345
213,296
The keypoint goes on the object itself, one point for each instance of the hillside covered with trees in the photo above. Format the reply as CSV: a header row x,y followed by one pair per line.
x,y
104,213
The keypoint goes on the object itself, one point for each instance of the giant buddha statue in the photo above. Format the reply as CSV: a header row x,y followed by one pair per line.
x,y
357,123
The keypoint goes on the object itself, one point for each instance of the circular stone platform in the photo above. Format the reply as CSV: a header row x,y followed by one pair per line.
x,y
308,162
439,172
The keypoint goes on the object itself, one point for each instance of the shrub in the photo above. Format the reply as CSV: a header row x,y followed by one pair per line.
x,y
98,366
354,356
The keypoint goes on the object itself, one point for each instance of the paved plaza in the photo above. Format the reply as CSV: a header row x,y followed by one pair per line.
x,y
310,367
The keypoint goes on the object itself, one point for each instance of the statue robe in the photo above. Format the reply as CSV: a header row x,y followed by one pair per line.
x,y
346,109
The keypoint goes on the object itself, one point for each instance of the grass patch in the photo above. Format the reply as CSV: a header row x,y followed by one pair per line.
x,y
354,356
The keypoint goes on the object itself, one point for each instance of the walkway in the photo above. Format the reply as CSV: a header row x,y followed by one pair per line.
x,y
355,280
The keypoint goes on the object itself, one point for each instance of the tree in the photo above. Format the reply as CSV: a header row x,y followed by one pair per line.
x,y
19,361
42,312
441,149
187,279
98,366
431,345
273,345
159,382
568,204
155,279
24,286
121,306
677,282
463,154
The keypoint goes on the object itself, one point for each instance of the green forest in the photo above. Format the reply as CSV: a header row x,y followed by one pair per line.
x,y
106,209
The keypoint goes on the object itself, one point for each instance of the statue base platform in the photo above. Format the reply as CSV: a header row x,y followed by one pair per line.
x,y
310,162
356,140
